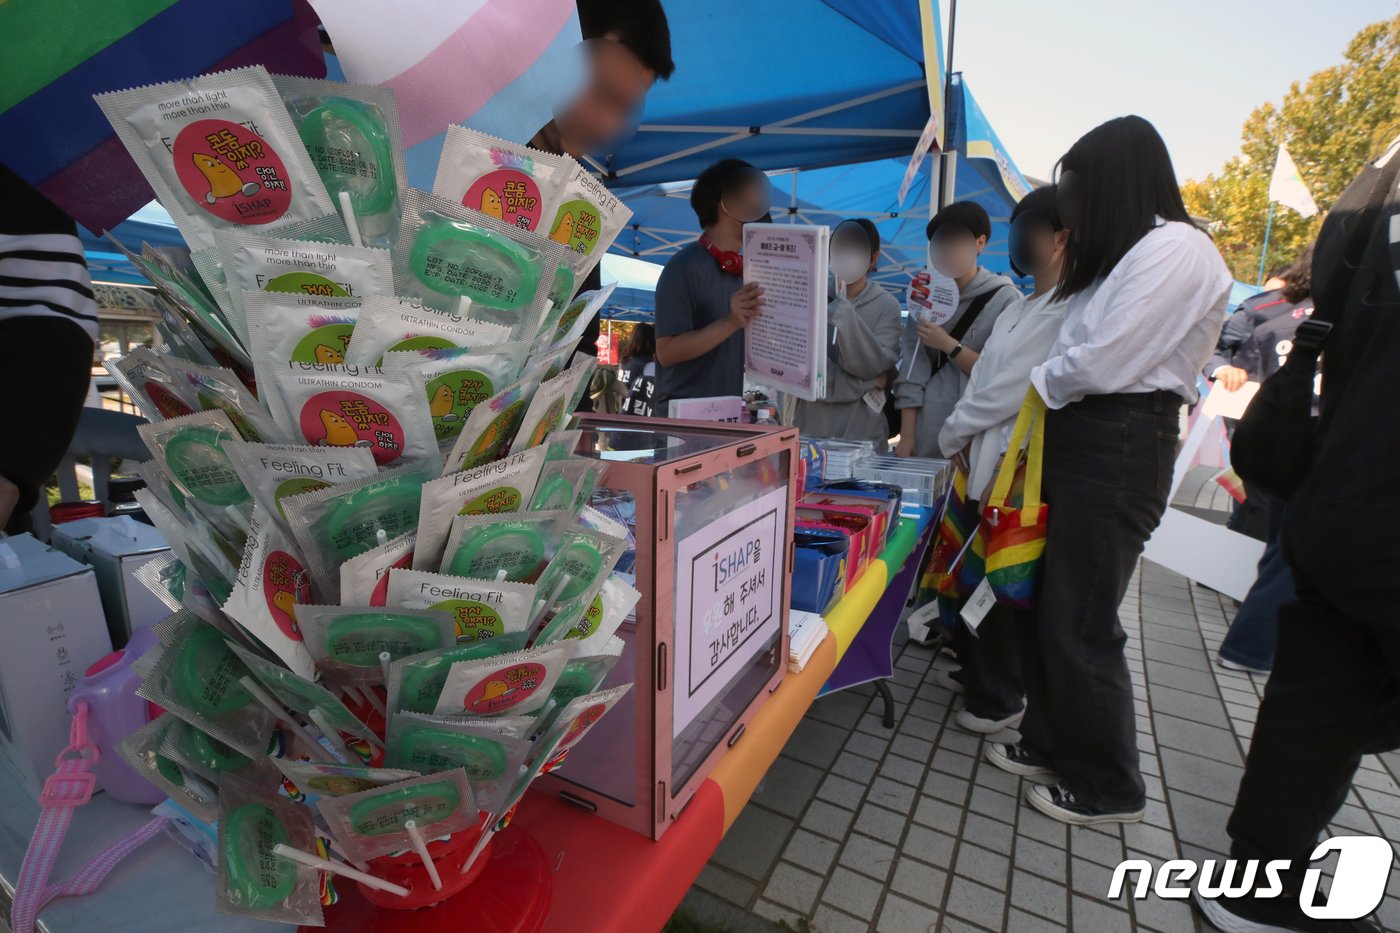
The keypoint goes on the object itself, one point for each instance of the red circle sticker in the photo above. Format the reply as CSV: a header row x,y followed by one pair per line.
x,y
504,688
348,419
231,172
507,195
167,403
581,722
284,586
380,595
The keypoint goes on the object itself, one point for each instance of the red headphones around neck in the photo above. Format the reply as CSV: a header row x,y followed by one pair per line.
x,y
729,261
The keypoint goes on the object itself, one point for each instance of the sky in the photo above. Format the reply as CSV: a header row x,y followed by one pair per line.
x,y
1045,71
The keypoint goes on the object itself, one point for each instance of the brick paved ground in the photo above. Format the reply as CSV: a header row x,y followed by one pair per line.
x,y
908,830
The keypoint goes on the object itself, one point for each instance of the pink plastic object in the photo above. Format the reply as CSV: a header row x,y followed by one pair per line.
x,y
114,712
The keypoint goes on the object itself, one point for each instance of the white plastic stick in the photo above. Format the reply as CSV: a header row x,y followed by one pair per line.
x,y
266,699
385,658
338,849
501,576
464,306
420,845
352,224
543,606
486,835
339,747
381,537
336,868
374,700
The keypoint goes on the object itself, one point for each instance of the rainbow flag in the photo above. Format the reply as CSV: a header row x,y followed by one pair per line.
x,y
499,66
58,53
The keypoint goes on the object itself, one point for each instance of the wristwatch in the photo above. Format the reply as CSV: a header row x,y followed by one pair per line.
x,y
953,354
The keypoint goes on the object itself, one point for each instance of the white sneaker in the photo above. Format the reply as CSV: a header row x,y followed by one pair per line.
x,y
977,724
1242,668
943,677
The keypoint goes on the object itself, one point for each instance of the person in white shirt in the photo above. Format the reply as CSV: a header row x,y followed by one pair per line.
x,y
1147,292
975,435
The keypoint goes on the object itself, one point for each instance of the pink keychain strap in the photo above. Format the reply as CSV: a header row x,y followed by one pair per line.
x,y
68,788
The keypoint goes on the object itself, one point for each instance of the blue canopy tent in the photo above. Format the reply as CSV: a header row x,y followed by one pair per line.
x,y
800,84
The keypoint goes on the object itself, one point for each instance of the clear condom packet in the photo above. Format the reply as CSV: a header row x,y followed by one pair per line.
x,y
587,220
491,759
216,388
582,675
312,779
457,379
416,682
582,714
552,405
164,576
508,181
508,684
220,152
576,572
346,641
561,445
303,695
490,428
446,252
274,472
562,328
178,334
286,328
210,759
253,880
481,609
144,376
354,406
370,823
163,488
564,484
191,451
272,583
318,270
352,134
390,323
336,524
141,750
364,578
197,678
606,613
510,546
496,487
188,300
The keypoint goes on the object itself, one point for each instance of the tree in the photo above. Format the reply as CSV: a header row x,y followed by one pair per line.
x,y
1332,125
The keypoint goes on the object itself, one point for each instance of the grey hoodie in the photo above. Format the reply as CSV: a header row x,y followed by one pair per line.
x,y
867,346
936,394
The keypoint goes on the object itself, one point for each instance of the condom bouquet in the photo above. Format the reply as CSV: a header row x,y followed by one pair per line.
x,y
392,606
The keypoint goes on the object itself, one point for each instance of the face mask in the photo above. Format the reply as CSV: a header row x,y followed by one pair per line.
x,y
849,265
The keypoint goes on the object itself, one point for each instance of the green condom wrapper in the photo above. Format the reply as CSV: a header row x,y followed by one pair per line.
x,y
492,488
302,695
215,388
369,824
565,484
141,750
415,682
346,641
390,323
433,744
491,427
192,452
252,880
315,779
210,759
143,374
480,547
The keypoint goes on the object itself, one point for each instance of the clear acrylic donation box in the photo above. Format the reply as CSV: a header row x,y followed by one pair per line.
x,y
708,508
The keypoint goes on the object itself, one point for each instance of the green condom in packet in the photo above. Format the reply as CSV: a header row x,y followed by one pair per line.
x,y
564,484
254,263
346,641
364,578
511,546
215,388
457,379
509,684
189,301
352,135
141,750
508,181
272,584
370,823
336,524
143,374
310,780
416,682
275,472
492,488
552,405
582,675
446,252
198,679
302,695
561,445
190,450
481,609
210,759
390,323
253,879
164,576
353,406
606,613
220,152
432,745
575,575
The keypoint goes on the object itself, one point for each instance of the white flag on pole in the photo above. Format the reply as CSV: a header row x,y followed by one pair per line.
x,y
1288,188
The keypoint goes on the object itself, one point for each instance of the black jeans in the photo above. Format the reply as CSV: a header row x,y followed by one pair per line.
x,y
991,666
1333,695
1108,468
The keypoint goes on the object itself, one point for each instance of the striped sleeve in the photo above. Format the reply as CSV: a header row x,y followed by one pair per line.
x,y
46,275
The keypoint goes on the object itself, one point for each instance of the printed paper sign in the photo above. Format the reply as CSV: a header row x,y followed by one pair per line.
x,y
785,347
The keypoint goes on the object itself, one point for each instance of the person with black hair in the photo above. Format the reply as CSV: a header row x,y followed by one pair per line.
x,y
702,303
936,359
975,437
628,44
863,325
638,372
1146,292
1255,342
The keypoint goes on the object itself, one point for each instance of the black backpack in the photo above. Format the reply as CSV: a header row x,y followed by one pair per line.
x,y
1273,443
